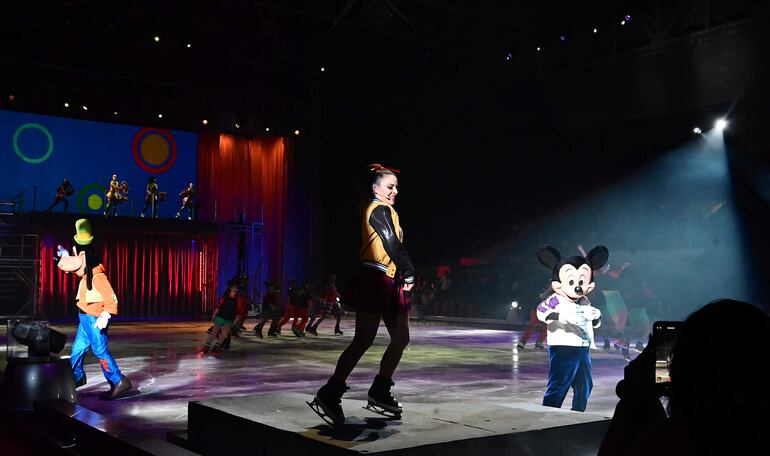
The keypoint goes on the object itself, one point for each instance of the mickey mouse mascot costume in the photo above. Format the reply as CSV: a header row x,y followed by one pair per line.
x,y
570,319
96,303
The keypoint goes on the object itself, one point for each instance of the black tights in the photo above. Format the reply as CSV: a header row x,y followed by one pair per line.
x,y
367,324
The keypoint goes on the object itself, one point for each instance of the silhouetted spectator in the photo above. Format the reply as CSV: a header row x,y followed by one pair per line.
x,y
719,391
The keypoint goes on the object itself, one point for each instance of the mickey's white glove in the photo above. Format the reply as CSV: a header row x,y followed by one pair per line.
x,y
592,313
103,320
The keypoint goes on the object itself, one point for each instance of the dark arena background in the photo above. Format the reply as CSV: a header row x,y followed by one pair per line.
x,y
637,125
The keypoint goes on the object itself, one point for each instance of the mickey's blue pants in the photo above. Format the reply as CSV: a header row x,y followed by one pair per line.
x,y
95,339
568,367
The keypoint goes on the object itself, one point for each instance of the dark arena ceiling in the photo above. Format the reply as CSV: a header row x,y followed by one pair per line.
x,y
246,58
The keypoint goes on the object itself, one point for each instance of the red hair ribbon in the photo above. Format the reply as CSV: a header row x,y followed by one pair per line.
x,y
379,167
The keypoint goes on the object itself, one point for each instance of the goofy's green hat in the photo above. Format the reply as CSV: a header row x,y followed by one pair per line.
x,y
83,232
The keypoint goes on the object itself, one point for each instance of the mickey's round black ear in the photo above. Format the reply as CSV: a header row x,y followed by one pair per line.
x,y
548,256
597,257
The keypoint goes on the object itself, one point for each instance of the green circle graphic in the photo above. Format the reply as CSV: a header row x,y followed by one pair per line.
x,y
83,196
21,155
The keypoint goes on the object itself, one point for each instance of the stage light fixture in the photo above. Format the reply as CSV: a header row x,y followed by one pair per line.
x,y
267,129
38,374
514,305
696,130
623,22
237,126
296,132
509,56
563,37
538,49
115,113
160,115
11,97
596,30
66,105
189,45
205,122
323,69
157,38
85,108
38,337
627,18
720,124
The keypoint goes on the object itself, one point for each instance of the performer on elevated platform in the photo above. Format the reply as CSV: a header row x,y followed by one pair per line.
x,y
151,197
113,192
63,190
188,202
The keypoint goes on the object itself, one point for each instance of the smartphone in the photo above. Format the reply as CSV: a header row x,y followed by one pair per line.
x,y
664,337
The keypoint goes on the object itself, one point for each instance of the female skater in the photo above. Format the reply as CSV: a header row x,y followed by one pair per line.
x,y
225,312
376,293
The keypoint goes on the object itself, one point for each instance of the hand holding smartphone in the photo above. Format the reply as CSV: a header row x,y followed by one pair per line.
x,y
664,337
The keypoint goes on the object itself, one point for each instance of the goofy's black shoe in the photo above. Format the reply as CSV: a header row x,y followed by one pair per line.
x,y
81,381
118,389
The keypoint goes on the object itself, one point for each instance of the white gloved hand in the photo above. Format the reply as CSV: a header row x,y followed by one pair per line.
x,y
61,251
103,320
592,313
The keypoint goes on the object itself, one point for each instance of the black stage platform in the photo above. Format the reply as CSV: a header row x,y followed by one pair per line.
x,y
282,424
42,223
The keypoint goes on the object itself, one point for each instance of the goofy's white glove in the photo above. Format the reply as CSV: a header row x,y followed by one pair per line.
x,y
103,320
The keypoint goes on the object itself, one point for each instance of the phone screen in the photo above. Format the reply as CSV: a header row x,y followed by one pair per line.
x,y
664,337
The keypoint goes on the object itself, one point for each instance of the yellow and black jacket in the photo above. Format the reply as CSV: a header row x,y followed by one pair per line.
x,y
382,242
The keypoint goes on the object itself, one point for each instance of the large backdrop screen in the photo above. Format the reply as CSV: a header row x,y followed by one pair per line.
x,y
38,152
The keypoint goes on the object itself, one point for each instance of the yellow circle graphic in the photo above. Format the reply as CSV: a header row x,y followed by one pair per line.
x,y
154,149
95,201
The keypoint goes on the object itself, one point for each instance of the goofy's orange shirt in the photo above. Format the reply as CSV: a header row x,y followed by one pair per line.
x,y
100,297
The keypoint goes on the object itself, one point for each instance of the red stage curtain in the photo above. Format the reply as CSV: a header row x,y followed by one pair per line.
x,y
245,180
175,274
161,275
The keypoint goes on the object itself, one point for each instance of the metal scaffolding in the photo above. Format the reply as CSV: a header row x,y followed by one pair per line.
x,y
241,255
19,269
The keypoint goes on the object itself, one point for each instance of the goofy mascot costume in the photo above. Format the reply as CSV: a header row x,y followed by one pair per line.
x,y
97,303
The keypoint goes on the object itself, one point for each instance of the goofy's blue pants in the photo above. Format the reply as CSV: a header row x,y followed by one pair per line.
x,y
95,339
568,367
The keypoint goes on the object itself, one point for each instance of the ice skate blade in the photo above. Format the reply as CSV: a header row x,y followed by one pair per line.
x,y
318,408
393,415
